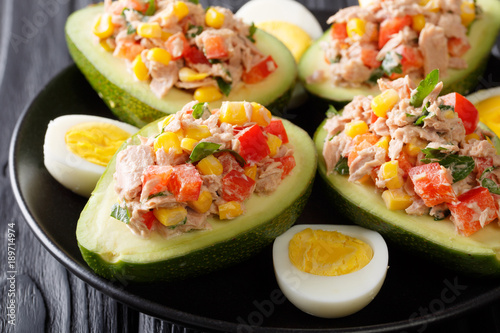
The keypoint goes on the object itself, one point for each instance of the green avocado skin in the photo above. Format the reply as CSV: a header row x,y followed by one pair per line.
x,y
453,257
482,37
215,257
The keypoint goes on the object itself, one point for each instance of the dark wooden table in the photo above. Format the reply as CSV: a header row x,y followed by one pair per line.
x,y
48,298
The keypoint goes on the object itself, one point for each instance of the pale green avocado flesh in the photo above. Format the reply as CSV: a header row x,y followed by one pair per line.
x,y
133,101
482,37
478,254
112,251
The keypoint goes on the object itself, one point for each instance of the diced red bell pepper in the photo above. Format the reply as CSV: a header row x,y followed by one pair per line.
x,y
260,71
475,209
185,183
405,163
369,58
374,118
177,45
481,164
236,186
287,164
156,178
215,47
229,163
392,26
339,31
148,219
253,144
457,47
194,55
432,182
465,110
411,58
359,143
276,127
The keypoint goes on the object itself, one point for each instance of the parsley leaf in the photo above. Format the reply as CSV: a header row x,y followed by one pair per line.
x,y
391,64
460,166
489,183
224,86
241,161
425,114
425,87
194,1
120,213
202,150
341,167
199,109
151,8
251,31
194,30
332,111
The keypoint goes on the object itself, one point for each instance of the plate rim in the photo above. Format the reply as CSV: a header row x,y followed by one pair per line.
x,y
175,316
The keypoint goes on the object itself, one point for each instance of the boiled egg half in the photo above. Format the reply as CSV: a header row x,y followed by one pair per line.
x,y
77,149
330,271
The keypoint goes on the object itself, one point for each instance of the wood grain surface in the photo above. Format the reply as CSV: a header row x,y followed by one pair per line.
x,y
47,297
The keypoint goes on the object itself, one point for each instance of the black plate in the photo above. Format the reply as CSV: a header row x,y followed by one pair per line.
x,y
415,292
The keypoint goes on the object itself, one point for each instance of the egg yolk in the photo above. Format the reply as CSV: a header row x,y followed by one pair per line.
x,y
95,142
294,38
489,113
328,253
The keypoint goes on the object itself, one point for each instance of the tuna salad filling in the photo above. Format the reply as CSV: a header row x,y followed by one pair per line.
x,y
203,163
394,38
423,152
175,43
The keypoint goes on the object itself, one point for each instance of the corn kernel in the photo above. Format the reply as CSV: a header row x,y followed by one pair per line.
x,y
107,45
230,210
356,28
250,171
356,127
449,114
468,12
207,94
165,35
197,132
418,22
383,142
103,27
149,30
260,115
159,55
202,205
170,216
233,113
139,68
384,102
413,149
431,5
167,141
214,18
389,172
472,136
165,122
210,165
188,144
396,199
181,10
187,74
274,143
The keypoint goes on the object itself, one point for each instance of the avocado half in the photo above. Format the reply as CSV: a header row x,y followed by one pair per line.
x,y
133,101
476,255
113,252
482,37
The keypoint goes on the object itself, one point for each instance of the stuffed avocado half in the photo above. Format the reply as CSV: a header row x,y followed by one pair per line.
x,y
114,251
481,35
420,170
133,101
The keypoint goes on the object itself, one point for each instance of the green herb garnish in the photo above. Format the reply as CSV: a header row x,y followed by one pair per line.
x,y
251,31
120,213
332,111
199,109
341,167
151,8
425,87
224,86
460,166
489,183
202,150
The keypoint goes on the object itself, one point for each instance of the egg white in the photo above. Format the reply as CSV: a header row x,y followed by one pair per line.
x,y
281,10
72,171
331,296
